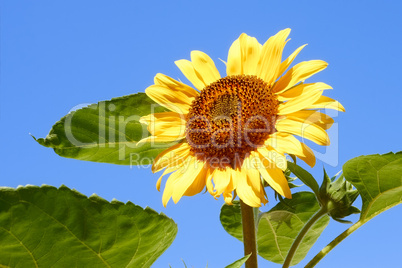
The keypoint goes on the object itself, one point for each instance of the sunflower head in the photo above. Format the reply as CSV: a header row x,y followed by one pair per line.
x,y
230,118
234,131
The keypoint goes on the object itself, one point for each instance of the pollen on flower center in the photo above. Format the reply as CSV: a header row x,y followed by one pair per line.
x,y
230,118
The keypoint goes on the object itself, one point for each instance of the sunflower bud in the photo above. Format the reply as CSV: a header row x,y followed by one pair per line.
x,y
338,195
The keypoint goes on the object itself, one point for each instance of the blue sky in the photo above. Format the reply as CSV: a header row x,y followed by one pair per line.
x,y
56,55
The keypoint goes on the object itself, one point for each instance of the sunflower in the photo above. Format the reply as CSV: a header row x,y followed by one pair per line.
x,y
232,133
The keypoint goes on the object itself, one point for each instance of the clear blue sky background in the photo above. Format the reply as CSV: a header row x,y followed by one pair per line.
x,y
58,54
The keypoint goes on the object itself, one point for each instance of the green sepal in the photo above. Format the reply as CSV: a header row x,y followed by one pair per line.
x,y
338,195
304,176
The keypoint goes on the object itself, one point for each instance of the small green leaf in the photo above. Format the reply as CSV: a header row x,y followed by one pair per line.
x,y
378,178
230,217
50,227
107,132
279,227
239,263
304,176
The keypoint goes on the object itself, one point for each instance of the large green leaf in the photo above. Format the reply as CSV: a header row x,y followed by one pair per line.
x,y
279,227
107,132
378,178
50,227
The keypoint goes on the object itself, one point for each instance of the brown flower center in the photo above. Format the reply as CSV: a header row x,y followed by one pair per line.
x,y
230,118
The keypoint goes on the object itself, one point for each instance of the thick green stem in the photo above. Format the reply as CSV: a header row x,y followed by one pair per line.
x,y
333,244
301,235
249,235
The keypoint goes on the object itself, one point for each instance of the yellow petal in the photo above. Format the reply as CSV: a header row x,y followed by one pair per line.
x,y
209,184
277,159
233,181
250,53
274,177
298,73
221,179
173,156
325,102
286,63
169,186
254,179
234,64
166,171
167,124
174,100
158,183
245,191
228,198
227,193
287,143
271,56
164,80
199,182
252,174
299,103
307,131
301,89
312,117
156,139
263,196
204,67
189,175
187,68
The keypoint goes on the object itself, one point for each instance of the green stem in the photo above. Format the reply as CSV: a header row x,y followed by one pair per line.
x,y
333,244
300,236
249,235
